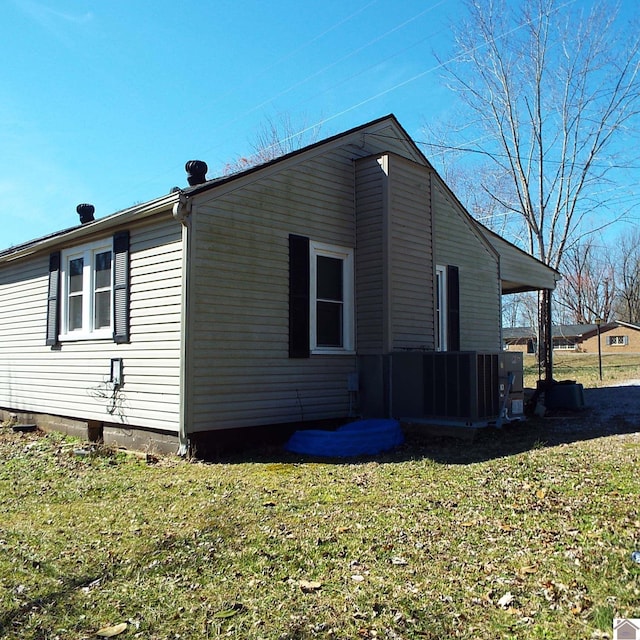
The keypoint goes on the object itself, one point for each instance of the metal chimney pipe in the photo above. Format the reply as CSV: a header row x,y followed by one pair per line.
x,y
85,211
196,172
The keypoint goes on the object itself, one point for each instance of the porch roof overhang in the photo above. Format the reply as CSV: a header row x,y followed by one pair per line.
x,y
520,271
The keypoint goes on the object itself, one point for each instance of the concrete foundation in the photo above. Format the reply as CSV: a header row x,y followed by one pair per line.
x,y
116,435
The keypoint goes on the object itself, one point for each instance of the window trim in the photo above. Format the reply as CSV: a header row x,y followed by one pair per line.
x,y
88,252
320,249
441,308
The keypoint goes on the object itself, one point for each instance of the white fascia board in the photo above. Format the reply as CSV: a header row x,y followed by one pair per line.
x,y
138,212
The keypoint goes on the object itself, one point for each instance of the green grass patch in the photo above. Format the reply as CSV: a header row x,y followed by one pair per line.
x,y
490,539
585,368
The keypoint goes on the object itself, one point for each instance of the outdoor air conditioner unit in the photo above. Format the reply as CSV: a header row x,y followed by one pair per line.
x,y
462,387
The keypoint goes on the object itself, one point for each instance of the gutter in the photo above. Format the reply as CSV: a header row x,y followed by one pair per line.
x,y
75,234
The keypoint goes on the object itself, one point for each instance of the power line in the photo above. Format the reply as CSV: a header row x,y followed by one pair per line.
x,y
413,78
505,155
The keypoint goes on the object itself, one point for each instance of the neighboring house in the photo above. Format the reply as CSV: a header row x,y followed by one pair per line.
x,y
564,336
302,290
519,339
615,337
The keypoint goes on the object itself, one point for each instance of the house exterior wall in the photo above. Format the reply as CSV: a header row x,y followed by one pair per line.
x,y
590,345
372,309
520,346
394,260
456,242
239,368
70,380
411,256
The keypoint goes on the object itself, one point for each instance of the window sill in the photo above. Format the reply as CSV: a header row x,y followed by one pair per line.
x,y
332,352
82,337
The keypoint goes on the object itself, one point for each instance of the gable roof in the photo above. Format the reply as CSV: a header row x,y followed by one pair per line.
x,y
374,128
519,270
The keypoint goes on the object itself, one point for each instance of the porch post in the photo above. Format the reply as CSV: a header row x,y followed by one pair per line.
x,y
545,338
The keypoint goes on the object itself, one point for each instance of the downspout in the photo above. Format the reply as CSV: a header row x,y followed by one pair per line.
x,y
387,325
182,213
500,307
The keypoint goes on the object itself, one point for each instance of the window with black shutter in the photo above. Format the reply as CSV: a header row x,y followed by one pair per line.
x,y
88,294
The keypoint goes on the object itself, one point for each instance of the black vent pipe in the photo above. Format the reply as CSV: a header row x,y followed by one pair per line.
x,y
85,211
196,172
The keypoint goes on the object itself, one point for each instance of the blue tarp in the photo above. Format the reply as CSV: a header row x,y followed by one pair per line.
x,y
363,437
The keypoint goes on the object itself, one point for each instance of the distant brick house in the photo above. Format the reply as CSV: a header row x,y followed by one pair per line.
x,y
615,337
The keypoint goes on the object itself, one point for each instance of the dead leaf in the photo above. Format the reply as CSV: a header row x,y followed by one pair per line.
x,y
357,578
309,586
399,561
507,599
115,630
541,494
527,570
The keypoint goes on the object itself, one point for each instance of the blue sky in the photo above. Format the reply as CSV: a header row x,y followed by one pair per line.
x,y
104,102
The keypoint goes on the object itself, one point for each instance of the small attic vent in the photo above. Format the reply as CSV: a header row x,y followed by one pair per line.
x,y
85,211
196,172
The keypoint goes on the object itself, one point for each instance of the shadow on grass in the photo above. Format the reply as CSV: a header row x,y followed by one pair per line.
x,y
180,554
11,619
609,411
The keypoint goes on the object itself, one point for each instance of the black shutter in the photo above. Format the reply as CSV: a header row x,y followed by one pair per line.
x,y
53,300
298,297
121,287
453,309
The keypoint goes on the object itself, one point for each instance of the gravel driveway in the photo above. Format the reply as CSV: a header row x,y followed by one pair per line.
x,y
609,410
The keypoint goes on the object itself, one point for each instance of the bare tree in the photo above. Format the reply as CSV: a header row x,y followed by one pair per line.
x,y
628,270
588,287
276,137
553,94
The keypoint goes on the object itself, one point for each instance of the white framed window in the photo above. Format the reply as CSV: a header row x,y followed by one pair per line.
x,y
617,340
87,291
441,308
331,299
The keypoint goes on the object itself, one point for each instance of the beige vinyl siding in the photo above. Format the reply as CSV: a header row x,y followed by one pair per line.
x,y
240,373
411,258
70,380
371,256
457,242
394,255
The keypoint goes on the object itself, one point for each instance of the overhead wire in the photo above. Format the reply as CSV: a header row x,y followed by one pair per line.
x,y
409,80
341,82
398,85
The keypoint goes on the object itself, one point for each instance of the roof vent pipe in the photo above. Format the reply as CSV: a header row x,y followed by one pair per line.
x,y
85,211
196,172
